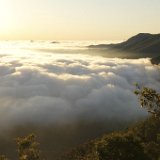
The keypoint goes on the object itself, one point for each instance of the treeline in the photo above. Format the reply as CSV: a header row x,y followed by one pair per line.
x,y
141,142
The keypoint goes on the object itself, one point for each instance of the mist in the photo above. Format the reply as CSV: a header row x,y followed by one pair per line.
x,y
48,88
83,96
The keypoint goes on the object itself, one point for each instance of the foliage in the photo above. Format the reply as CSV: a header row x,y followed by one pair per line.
x,y
149,99
121,146
141,142
86,151
28,148
147,133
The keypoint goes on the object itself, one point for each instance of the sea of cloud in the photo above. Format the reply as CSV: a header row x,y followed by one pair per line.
x,y
44,88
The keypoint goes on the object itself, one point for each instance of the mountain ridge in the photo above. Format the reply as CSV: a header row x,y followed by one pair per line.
x,y
141,45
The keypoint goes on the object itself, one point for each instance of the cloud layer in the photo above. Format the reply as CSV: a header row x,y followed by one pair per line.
x,y
62,88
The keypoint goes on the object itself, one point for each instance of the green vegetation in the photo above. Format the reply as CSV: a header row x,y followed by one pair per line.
x,y
121,146
141,142
149,99
28,148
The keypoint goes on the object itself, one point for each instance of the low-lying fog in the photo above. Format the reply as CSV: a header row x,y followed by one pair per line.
x,y
47,89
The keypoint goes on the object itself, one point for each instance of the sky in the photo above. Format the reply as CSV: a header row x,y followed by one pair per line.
x,y
77,19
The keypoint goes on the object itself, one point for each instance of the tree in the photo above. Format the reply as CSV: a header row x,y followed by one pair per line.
x,y
149,99
149,131
120,146
28,148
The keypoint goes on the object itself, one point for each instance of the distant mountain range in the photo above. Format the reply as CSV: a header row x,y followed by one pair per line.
x,y
141,45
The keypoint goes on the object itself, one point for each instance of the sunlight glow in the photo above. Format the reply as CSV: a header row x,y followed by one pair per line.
x,y
77,20
4,16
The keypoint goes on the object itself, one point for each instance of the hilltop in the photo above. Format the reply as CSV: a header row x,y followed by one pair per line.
x,y
141,45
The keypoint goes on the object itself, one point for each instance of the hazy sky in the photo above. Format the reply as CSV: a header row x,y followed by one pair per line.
x,y
78,19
